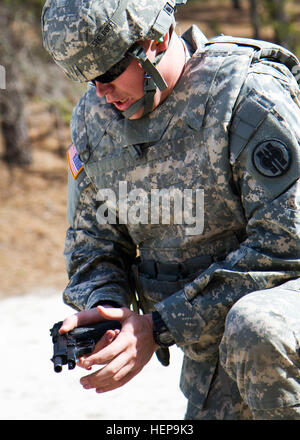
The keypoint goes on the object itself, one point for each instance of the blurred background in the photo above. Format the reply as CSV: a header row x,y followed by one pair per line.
x,y
35,110
36,102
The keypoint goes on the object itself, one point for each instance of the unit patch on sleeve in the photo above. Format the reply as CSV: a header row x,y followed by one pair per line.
x,y
271,158
75,163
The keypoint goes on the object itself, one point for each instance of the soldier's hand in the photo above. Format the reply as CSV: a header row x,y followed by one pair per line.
x,y
125,356
87,317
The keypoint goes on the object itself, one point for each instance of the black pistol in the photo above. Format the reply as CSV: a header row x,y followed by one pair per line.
x,y
68,348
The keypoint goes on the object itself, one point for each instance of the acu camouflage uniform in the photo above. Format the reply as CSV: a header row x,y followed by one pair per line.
x,y
230,294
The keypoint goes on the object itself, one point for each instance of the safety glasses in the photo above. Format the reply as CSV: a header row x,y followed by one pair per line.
x,y
115,71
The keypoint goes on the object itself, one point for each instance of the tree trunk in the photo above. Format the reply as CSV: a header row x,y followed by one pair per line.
x,y
13,124
236,4
14,127
254,18
280,22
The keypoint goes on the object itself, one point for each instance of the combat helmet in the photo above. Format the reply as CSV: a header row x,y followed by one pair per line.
x,y
92,39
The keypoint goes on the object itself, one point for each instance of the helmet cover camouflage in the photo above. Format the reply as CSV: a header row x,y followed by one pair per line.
x,y
87,37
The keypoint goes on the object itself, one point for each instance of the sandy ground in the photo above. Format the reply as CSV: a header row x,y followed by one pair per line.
x,y
31,390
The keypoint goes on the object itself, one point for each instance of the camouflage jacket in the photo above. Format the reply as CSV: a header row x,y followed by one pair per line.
x,y
229,132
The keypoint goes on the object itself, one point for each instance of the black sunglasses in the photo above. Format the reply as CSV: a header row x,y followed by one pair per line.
x,y
114,71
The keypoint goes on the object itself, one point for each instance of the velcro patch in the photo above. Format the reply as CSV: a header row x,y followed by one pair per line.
x,y
75,163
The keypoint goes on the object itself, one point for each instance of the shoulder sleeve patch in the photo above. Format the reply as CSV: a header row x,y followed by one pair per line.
x,y
75,188
272,158
75,164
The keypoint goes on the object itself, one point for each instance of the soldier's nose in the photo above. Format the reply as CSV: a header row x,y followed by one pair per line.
x,y
103,89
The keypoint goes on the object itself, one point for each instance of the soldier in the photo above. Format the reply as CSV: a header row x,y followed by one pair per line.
x,y
184,191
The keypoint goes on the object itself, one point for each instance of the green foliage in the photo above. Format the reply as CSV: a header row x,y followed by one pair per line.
x,y
282,16
279,16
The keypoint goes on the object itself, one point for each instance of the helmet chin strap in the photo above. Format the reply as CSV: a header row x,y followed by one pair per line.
x,y
152,81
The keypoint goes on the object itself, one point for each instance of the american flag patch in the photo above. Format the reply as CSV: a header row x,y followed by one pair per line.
x,y
75,163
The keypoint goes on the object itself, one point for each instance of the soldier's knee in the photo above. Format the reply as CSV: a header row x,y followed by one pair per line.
x,y
263,322
246,326
259,349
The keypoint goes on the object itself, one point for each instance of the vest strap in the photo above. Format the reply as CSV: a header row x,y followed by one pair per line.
x,y
175,271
